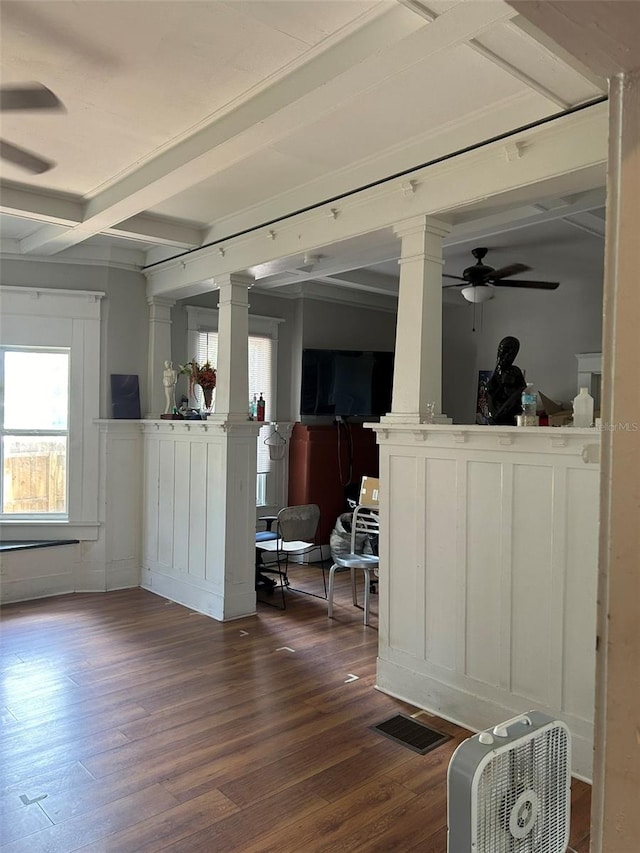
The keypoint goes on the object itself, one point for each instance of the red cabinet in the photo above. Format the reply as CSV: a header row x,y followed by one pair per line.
x,y
322,462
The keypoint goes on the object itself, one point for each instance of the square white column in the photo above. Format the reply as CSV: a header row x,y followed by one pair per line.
x,y
159,352
232,388
417,375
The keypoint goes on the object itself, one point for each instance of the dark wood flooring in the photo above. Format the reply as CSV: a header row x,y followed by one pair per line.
x,y
133,724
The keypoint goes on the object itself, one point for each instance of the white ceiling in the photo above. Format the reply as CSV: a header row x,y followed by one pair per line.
x,y
187,121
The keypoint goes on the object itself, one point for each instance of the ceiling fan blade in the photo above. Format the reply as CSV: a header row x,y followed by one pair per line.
x,y
457,277
23,158
512,269
537,285
444,286
35,96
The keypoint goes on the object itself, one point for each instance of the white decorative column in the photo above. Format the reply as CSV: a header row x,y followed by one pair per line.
x,y
232,390
159,351
417,376
615,814
200,485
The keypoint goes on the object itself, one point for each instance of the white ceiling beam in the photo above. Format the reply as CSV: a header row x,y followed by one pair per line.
x,y
550,153
365,280
165,232
42,207
587,222
525,216
284,271
468,130
559,52
336,294
348,269
426,13
335,77
210,149
520,75
601,35
54,210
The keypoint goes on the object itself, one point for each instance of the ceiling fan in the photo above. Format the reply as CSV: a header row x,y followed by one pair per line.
x,y
31,96
479,280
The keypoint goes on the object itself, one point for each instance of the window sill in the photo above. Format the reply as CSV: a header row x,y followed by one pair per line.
x,y
29,530
30,544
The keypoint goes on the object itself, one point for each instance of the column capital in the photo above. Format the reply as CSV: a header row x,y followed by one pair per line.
x,y
161,300
422,225
159,309
232,278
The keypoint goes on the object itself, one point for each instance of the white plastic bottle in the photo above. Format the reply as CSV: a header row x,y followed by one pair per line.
x,y
583,409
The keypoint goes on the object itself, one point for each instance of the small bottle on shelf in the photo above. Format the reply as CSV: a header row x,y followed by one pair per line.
x,y
260,408
583,409
253,409
529,401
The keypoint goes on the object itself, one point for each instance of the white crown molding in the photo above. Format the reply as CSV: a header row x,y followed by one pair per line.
x,y
85,255
320,292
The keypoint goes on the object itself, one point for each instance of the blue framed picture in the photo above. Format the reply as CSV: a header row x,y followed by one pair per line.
x,y
125,396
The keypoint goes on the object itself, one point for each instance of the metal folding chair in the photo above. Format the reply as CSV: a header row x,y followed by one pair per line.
x,y
365,527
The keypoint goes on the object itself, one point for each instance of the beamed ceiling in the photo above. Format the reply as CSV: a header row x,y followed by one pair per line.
x,y
186,122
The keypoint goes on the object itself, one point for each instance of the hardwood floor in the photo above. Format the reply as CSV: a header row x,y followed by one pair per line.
x,y
133,724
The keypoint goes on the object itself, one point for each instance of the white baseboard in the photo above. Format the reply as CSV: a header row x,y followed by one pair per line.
x,y
466,709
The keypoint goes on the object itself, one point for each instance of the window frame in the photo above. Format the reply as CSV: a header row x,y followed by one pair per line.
x,y
54,318
206,320
35,433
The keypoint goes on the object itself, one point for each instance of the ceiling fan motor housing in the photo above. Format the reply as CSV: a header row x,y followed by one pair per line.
x,y
478,273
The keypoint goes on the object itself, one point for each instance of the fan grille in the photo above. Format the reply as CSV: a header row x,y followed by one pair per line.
x,y
523,803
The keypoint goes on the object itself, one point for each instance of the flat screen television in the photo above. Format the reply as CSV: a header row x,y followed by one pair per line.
x,y
354,383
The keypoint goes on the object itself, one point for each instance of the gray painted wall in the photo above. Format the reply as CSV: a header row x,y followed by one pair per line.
x,y
552,327
308,322
124,324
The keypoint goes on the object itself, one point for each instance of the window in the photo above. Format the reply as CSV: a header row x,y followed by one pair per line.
x,y
49,403
34,431
203,338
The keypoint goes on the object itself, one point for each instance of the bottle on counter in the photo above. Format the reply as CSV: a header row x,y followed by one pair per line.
x,y
253,408
260,408
583,409
529,400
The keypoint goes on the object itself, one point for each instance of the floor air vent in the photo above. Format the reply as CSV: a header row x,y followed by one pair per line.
x,y
409,733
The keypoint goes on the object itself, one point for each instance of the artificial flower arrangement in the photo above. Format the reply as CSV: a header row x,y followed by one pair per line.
x,y
203,375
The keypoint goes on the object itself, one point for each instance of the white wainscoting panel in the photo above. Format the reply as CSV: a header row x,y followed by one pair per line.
x,y
485,591
198,529
199,514
38,572
107,557
440,544
121,474
406,538
488,573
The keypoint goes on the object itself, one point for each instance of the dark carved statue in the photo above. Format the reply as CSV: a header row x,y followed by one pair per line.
x,y
504,389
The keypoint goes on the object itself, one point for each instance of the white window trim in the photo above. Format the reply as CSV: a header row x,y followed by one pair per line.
x,y
206,320
45,317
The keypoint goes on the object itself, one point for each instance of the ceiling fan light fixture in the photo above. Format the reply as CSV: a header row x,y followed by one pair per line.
x,y
477,293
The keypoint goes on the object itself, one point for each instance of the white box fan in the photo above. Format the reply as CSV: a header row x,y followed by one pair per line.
x,y
509,788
